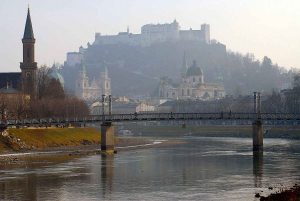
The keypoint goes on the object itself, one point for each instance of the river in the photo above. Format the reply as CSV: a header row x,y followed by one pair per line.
x,y
201,168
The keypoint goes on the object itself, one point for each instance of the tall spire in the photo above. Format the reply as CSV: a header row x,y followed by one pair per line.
x,y
28,32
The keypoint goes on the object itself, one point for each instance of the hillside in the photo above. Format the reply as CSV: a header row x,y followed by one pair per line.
x,y
136,70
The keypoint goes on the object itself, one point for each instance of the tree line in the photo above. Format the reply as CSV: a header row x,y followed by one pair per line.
x,y
52,101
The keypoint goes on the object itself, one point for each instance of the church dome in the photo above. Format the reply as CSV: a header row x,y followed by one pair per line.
x,y
194,70
54,74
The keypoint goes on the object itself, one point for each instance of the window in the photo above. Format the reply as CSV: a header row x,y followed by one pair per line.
x,y
28,53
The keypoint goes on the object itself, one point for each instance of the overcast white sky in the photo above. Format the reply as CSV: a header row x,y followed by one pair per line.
x,y
262,27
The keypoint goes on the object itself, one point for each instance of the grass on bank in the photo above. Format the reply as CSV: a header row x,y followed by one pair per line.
x,y
41,138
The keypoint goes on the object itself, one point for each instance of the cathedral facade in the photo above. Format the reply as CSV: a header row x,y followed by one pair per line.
x,y
192,86
87,89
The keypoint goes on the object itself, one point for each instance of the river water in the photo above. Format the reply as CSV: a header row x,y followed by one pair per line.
x,y
200,168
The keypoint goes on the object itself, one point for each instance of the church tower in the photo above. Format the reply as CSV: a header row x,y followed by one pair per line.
x,y
29,66
82,83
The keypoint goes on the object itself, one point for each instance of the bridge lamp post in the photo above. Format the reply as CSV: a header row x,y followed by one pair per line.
x,y
109,104
103,107
255,102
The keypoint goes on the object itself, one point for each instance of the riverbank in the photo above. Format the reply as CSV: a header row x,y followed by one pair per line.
x,y
292,194
54,155
36,146
35,139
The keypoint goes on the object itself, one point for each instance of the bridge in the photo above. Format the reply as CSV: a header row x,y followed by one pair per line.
x,y
266,118
257,119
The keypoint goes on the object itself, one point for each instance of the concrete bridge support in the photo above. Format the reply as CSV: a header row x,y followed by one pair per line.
x,y
257,134
257,127
107,138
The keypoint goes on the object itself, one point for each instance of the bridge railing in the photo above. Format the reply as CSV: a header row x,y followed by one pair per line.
x,y
152,117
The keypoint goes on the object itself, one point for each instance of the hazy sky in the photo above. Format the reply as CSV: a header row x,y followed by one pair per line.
x,y
262,27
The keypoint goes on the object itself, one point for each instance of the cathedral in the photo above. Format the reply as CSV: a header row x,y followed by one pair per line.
x,y
87,90
192,86
24,82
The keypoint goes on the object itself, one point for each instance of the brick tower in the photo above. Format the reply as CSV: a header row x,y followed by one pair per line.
x,y
29,66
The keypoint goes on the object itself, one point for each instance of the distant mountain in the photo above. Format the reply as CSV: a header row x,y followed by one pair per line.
x,y
135,70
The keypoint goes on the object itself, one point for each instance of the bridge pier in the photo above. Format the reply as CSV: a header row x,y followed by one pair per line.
x,y
257,127
107,138
257,135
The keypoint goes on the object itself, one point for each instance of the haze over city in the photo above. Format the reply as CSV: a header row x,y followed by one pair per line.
x,y
149,100
261,27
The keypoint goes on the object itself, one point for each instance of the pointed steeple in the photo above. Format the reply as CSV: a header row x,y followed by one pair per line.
x,y
28,32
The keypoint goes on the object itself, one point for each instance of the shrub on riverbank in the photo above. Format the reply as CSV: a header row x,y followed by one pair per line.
x,y
42,138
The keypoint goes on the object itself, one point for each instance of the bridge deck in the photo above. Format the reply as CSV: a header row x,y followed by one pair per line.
x,y
266,117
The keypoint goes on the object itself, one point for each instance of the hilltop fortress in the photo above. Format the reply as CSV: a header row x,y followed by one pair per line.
x,y
153,33
150,34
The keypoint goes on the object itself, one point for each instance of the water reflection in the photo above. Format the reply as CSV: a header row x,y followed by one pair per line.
x,y
201,169
258,163
107,175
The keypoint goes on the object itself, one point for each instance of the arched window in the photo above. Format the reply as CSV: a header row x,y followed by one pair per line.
x,y
182,92
188,92
194,79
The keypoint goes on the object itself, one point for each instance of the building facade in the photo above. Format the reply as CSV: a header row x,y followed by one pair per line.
x,y
92,89
24,82
192,86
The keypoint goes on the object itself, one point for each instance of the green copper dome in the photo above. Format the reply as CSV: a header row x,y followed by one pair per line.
x,y
194,70
54,74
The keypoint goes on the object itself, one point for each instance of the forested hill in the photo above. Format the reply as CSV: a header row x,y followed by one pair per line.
x,y
136,70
